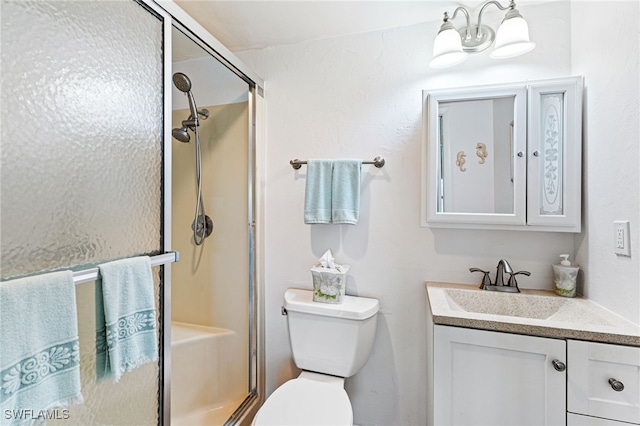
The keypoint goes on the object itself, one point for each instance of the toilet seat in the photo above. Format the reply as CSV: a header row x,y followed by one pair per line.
x,y
310,399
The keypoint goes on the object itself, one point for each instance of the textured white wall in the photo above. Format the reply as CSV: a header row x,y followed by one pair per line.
x,y
360,96
612,148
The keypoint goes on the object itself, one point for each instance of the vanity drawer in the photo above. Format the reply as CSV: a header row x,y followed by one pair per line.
x,y
593,371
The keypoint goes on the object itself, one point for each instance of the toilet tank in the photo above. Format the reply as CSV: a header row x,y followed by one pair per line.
x,y
328,338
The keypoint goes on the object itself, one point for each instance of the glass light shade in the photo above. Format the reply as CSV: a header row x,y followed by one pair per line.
x,y
512,39
447,49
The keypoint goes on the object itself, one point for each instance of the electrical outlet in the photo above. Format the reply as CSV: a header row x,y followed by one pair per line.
x,y
621,238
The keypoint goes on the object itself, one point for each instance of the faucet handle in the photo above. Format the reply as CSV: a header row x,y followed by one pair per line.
x,y
486,279
512,278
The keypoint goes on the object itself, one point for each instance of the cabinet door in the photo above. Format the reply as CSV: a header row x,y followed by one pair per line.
x,y
554,153
580,420
490,378
589,390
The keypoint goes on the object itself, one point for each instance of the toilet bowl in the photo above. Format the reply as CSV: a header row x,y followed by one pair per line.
x,y
309,399
329,342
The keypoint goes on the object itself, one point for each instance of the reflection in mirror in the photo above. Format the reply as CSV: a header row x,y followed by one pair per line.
x,y
476,156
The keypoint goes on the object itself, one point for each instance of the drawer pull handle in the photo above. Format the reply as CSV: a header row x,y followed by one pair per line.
x,y
616,385
559,365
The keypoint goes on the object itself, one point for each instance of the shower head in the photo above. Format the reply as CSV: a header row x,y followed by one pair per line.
x,y
182,82
181,134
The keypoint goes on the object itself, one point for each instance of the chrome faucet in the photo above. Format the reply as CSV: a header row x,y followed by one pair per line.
x,y
510,286
503,266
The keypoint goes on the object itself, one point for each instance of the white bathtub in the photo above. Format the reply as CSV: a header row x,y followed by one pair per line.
x,y
204,382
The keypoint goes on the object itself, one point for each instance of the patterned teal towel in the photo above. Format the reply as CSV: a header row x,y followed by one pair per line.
x,y
125,317
39,355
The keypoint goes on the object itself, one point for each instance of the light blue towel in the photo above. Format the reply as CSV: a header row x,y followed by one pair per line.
x,y
39,356
125,317
345,191
317,197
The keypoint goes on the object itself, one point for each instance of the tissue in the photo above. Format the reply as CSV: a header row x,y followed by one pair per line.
x,y
327,260
329,280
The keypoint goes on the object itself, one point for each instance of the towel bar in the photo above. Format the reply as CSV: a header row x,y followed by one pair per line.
x,y
378,162
88,275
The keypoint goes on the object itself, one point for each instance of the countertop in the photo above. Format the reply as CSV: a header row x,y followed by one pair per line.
x,y
576,318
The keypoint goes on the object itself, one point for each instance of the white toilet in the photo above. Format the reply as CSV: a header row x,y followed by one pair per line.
x,y
329,343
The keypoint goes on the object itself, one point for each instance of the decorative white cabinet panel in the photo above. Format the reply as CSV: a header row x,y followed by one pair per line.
x,y
604,381
554,153
491,378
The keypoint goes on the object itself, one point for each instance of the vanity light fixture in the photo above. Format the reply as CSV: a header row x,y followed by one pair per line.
x,y
452,46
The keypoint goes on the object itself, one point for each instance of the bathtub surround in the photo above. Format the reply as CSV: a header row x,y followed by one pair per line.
x,y
209,283
202,367
366,97
209,294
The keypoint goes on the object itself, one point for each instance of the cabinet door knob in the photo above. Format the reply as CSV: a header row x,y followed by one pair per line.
x,y
559,365
536,153
520,154
616,385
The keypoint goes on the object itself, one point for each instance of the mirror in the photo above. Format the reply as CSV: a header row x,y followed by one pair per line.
x,y
476,155
476,138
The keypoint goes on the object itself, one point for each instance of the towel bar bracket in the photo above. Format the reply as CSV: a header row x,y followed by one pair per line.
x,y
378,162
88,275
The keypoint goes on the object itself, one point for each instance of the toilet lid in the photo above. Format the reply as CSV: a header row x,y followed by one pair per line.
x,y
306,402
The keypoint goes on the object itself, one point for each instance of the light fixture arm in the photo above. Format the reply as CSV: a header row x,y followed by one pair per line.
x,y
466,14
512,6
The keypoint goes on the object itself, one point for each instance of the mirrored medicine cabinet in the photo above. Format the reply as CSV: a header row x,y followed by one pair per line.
x,y
504,156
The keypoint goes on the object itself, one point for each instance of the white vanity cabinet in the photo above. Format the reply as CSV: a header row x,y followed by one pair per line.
x,y
604,383
492,378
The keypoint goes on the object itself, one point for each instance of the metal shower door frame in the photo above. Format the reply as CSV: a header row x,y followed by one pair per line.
x,y
173,16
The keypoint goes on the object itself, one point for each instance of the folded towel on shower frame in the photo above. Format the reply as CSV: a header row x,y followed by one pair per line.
x,y
125,317
39,360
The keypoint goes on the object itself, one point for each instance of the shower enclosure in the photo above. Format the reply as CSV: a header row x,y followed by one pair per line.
x,y
213,339
97,175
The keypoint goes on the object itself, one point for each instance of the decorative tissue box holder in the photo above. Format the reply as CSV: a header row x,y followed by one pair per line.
x,y
329,284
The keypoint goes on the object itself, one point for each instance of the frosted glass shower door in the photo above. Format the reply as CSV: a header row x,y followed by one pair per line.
x,y
81,133
81,162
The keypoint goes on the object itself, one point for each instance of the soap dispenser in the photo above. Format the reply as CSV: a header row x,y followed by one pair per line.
x,y
565,277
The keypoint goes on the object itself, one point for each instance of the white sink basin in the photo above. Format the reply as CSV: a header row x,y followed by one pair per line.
x,y
532,312
507,304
